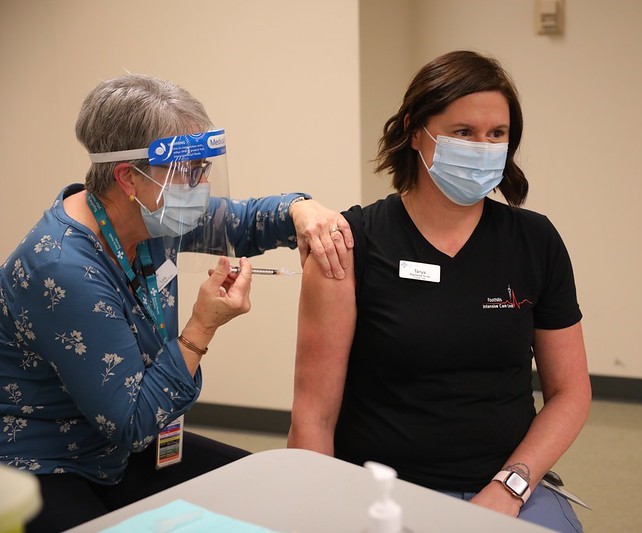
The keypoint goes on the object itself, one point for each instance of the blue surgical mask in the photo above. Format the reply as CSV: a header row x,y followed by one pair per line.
x,y
182,209
466,171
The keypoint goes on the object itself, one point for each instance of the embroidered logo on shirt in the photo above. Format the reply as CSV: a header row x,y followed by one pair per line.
x,y
512,302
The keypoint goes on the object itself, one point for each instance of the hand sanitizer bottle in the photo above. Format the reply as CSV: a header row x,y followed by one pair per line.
x,y
384,515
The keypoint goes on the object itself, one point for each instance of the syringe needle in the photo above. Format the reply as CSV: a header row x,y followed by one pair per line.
x,y
265,271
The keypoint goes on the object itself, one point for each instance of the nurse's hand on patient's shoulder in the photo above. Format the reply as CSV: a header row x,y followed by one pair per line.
x,y
323,233
222,296
494,496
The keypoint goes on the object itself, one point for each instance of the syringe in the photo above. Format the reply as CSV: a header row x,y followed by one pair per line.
x,y
267,271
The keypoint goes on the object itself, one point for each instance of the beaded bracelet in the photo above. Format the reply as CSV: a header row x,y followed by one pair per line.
x,y
190,345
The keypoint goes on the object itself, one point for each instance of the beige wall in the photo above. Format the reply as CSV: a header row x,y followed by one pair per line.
x,y
303,89
386,63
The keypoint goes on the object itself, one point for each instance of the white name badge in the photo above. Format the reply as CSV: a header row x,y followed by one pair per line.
x,y
166,273
419,271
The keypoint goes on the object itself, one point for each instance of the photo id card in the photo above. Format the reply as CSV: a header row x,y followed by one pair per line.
x,y
419,271
169,444
166,273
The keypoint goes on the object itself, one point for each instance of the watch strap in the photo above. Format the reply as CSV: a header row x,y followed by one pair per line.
x,y
503,477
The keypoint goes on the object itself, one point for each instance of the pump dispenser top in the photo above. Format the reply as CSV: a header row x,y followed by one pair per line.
x,y
384,515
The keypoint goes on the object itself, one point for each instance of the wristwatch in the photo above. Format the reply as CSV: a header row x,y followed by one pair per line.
x,y
299,199
515,484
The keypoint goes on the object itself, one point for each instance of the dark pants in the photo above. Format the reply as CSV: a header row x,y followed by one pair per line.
x,y
70,500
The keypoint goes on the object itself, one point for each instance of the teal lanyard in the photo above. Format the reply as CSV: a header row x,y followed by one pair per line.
x,y
150,299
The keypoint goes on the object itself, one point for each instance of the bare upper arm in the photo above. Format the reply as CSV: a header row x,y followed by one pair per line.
x,y
561,360
327,318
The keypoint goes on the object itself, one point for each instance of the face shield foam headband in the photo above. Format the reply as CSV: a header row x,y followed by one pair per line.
x,y
181,162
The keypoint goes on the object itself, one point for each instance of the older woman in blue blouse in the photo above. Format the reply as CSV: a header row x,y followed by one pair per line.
x,y
92,365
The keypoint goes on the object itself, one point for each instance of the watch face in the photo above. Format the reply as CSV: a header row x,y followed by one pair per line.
x,y
516,483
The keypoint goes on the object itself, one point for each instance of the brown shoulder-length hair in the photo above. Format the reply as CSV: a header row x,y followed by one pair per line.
x,y
435,87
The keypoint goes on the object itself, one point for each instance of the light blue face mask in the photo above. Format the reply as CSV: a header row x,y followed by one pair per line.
x,y
466,171
182,209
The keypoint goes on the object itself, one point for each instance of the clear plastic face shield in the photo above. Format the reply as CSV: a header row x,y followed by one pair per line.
x,y
189,212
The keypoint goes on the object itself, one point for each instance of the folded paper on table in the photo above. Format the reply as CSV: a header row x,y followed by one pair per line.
x,y
185,517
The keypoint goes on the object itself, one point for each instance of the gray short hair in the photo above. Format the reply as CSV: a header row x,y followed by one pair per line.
x,y
130,112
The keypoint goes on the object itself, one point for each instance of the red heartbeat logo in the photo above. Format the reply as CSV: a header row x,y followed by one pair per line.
x,y
511,302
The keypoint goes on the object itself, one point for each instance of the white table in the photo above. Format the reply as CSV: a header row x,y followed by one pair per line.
x,y
306,492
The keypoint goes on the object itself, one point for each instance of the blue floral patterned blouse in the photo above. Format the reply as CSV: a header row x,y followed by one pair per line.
x,y
85,379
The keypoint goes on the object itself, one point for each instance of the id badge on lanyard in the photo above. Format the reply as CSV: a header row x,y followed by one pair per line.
x,y
169,444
